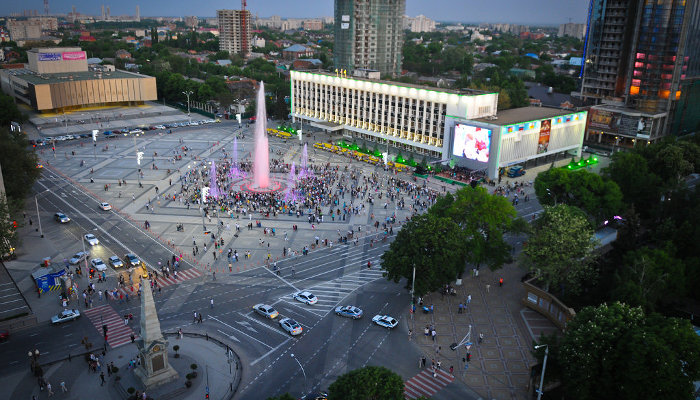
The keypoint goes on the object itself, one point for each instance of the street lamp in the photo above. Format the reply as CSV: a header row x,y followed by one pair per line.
x,y
540,390
34,359
302,371
188,94
38,216
139,156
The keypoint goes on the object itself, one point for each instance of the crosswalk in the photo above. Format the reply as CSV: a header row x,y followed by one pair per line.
x,y
182,276
118,334
424,384
332,292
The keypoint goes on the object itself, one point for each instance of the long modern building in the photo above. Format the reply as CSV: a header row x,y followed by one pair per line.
x,y
58,79
369,34
234,31
441,124
642,64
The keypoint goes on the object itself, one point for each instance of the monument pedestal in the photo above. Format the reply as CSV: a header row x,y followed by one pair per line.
x,y
154,369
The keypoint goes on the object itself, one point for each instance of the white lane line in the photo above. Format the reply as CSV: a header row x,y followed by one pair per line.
x,y
239,331
262,324
282,279
269,352
228,336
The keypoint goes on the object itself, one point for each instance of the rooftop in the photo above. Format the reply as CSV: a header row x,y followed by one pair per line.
x,y
38,79
465,92
523,114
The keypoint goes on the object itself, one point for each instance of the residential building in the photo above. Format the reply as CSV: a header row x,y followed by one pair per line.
x,y
122,54
369,34
234,31
296,51
313,25
420,23
27,29
258,42
58,79
440,124
572,29
641,67
191,21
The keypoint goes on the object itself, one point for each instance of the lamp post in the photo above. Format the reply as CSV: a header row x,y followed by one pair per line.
x,y
139,155
413,292
34,359
188,94
540,390
302,371
38,216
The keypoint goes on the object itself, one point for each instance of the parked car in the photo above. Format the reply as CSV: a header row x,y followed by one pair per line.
x,y
160,127
65,316
305,297
385,321
291,326
136,132
61,217
79,257
266,311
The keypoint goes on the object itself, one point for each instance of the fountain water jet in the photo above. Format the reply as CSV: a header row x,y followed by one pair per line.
x,y
261,160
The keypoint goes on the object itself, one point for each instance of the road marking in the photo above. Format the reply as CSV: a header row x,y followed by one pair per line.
x,y
239,331
247,326
262,324
269,352
282,279
228,336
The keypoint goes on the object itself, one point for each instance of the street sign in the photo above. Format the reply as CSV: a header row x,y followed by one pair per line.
x,y
94,135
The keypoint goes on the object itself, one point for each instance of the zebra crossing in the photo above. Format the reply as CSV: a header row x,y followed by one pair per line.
x,y
332,292
427,383
163,281
118,334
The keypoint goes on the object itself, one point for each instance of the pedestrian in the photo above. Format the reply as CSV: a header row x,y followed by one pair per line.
x,y
452,368
488,287
438,365
133,338
48,389
211,303
437,351
500,282
422,362
64,389
102,378
126,320
469,299
433,334
461,308
481,337
410,332
195,317
427,331
200,318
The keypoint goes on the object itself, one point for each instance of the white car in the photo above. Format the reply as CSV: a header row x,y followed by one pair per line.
x,y
105,206
135,132
98,264
291,326
266,311
65,315
91,239
385,321
305,297
160,127
115,262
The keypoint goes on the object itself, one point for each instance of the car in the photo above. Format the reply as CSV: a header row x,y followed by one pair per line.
x,y
91,239
104,206
65,315
385,321
266,311
305,297
115,262
79,257
291,326
160,127
98,264
516,171
4,335
125,130
70,137
315,396
61,217
349,311
107,133
132,260
135,132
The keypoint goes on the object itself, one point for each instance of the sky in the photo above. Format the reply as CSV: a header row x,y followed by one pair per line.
x,y
506,11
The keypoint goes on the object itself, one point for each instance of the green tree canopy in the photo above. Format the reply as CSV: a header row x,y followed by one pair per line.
x,y
614,352
433,245
638,184
560,252
18,164
368,383
599,197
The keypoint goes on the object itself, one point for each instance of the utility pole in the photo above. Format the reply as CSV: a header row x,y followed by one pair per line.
x,y
188,94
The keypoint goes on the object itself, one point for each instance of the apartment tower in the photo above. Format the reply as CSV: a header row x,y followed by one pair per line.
x,y
369,35
234,31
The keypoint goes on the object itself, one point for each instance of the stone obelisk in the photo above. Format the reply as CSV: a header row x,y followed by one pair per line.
x,y
153,347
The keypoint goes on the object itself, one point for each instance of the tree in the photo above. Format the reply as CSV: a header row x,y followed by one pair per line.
x,y
433,245
9,111
19,164
649,276
367,383
614,351
639,186
599,197
8,231
560,252
484,220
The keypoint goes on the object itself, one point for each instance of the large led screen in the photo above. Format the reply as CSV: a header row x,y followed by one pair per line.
x,y
472,142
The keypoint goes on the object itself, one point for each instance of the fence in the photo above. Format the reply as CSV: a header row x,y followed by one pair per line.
x,y
546,304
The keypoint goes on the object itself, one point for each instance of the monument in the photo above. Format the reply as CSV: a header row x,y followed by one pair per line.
x,y
261,162
153,347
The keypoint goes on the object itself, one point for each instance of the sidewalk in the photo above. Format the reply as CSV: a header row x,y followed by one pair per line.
x,y
211,359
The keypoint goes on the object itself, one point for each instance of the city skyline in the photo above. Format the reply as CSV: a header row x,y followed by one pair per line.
x,y
495,11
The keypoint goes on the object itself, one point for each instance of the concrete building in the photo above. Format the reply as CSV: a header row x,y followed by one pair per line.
x,y
441,124
313,25
191,21
58,78
27,29
369,34
234,31
572,29
420,23
297,51
258,41
642,66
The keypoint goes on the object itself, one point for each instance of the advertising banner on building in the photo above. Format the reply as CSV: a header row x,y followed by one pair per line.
x,y
543,141
49,56
604,120
472,142
74,55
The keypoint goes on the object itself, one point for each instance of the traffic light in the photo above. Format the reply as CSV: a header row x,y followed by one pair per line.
x,y
14,224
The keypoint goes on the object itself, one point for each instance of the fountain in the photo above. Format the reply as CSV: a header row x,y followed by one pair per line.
x,y
261,160
234,172
290,194
305,171
213,186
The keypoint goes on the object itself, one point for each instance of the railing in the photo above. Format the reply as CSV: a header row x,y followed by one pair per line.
x,y
546,304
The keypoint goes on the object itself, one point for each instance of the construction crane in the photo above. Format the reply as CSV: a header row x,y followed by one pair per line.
x,y
46,7
244,28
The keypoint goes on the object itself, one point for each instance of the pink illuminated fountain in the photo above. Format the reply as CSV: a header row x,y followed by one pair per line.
x,y
261,159
214,190
235,172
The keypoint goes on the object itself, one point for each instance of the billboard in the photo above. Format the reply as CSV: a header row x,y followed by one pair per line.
x,y
74,55
605,120
49,56
472,142
543,141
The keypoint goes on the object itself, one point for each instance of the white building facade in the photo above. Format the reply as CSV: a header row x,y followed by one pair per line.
x,y
406,117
